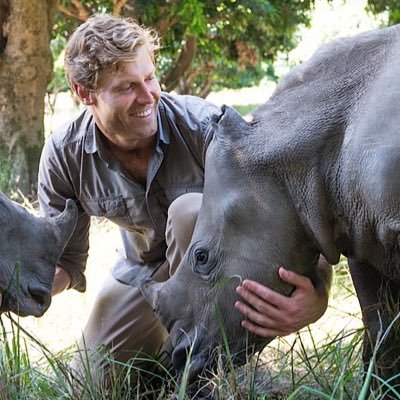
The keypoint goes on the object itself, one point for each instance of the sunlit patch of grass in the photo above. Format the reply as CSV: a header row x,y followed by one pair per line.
x,y
50,376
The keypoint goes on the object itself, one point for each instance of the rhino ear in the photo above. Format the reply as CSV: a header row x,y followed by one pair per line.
x,y
64,223
231,124
5,206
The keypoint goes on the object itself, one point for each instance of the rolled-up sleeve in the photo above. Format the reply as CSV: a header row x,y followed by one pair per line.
x,y
54,188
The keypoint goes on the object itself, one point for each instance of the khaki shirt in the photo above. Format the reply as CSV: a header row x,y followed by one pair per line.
x,y
75,164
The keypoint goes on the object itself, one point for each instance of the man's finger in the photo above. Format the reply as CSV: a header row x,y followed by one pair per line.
x,y
265,294
257,323
261,331
294,279
259,305
253,315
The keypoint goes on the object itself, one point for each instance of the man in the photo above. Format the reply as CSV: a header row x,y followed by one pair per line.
x,y
136,156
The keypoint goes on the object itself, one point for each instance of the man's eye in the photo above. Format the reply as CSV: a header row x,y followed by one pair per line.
x,y
126,87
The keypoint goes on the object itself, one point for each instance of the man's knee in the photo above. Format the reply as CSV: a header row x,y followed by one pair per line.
x,y
182,214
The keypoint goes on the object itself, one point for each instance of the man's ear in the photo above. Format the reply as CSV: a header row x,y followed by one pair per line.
x,y
87,97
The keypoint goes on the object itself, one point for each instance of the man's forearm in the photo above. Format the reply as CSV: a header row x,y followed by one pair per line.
x,y
62,281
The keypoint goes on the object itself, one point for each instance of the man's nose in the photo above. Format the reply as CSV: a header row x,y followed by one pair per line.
x,y
144,94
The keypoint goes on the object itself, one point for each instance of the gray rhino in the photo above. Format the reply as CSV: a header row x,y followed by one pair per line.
x,y
316,171
29,250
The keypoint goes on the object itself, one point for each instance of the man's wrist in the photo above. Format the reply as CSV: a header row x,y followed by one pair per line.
x,y
62,280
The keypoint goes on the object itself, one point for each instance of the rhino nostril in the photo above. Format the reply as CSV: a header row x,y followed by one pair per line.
x,y
179,355
198,361
41,296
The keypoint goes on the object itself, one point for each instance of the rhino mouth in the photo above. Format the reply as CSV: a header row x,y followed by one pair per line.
x,y
29,304
194,355
8,304
200,355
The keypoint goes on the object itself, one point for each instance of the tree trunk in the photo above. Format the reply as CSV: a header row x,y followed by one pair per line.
x,y
170,80
25,71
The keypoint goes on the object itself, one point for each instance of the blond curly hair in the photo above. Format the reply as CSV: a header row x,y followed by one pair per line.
x,y
103,41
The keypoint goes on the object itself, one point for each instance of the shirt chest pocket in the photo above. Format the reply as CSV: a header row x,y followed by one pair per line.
x,y
113,209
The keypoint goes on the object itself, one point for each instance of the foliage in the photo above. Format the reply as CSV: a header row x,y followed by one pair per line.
x,y
236,41
5,174
392,7
206,44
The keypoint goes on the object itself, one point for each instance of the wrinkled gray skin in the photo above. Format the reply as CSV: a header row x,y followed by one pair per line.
x,y
316,171
29,250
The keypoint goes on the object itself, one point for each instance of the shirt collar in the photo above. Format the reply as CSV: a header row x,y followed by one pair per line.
x,y
92,137
163,127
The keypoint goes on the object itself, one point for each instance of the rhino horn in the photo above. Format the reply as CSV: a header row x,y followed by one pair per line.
x,y
64,223
150,290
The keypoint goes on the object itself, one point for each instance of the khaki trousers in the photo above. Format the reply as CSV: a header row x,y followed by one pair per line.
x,y
121,321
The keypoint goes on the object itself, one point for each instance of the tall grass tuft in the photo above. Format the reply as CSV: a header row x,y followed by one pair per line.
x,y
24,375
307,365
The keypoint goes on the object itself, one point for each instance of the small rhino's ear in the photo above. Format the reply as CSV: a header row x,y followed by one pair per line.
x,y
5,210
63,224
231,124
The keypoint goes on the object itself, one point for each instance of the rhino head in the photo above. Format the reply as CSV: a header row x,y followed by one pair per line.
x,y
245,229
29,250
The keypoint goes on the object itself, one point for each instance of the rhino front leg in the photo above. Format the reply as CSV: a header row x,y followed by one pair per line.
x,y
379,299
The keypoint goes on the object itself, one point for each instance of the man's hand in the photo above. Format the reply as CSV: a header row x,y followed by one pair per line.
x,y
272,314
61,281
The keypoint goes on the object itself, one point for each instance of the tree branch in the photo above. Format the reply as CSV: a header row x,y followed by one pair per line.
x,y
81,12
177,70
165,22
118,5
206,88
205,68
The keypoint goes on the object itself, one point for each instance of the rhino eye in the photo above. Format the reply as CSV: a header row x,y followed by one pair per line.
x,y
202,261
201,256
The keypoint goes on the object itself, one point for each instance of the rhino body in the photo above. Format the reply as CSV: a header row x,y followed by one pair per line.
x,y
29,250
316,171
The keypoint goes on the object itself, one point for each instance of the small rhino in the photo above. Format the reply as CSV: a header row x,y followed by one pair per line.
x,y
29,250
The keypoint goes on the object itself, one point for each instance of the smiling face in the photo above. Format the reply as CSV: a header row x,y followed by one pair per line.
x,y
126,101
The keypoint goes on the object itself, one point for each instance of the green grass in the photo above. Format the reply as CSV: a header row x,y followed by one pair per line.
x,y
307,365
244,109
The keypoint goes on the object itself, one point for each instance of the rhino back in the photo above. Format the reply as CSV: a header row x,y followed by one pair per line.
x,y
370,170
330,132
